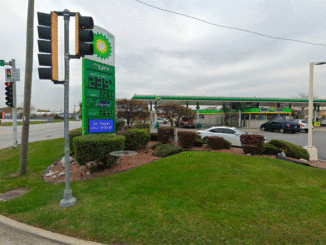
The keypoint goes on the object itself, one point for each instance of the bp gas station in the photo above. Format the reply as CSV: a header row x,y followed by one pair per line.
x,y
246,112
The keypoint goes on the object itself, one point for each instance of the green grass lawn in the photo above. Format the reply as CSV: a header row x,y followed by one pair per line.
x,y
189,198
34,122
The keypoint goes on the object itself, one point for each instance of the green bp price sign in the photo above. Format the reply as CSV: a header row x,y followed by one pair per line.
x,y
99,86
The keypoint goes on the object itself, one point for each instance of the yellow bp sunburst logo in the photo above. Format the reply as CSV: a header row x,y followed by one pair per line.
x,y
102,47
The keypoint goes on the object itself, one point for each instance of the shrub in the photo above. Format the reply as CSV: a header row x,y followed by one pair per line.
x,y
227,144
215,142
186,139
269,149
198,141
119,125
252,143
94,147
127,127
291,150
156,145
165,134
153,137
72,134
166,150
142,125
135,138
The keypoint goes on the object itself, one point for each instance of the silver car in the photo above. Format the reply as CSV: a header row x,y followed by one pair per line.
x,y
231,134
161,120
303,124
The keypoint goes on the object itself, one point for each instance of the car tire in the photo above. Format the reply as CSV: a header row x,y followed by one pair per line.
x,y
306,130
282,130
263,129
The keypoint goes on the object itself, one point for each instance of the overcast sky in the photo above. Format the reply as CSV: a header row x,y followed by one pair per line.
x,y
162,53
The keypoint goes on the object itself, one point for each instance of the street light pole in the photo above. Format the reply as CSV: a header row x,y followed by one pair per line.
x,y
313,154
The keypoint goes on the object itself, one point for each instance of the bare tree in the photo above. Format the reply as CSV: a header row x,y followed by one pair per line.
x,y
305,97
131,110
172,110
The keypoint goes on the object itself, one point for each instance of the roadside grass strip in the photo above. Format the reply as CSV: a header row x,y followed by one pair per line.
x,y
188,198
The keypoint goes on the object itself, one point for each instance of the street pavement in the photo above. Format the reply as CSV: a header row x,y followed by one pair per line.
x,y
37,132
16,233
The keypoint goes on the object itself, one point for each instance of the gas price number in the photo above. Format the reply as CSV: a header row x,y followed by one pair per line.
x,y
106,94
106,112
99,82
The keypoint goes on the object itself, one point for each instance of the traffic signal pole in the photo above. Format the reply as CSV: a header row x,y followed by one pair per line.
x,y
68,199
12,80
47,31
14,108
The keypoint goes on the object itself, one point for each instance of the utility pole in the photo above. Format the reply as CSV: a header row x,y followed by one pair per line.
x,y
27,88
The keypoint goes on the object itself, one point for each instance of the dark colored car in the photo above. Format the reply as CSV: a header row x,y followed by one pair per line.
x,y
282,125
185,122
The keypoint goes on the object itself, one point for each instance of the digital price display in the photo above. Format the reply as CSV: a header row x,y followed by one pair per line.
x,y
96,80
100,125
92,93
94,112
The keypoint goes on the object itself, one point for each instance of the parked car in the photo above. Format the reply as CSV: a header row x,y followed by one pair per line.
x,y
303,124
322,122
231,134
185,122
282,125
161,120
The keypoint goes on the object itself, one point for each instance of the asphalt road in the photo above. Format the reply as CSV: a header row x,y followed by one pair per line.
x,y
12,236
37,132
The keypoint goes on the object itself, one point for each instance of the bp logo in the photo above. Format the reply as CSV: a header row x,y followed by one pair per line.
x,y
102,47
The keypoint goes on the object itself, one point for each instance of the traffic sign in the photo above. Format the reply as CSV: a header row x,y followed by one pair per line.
x,y
15,74
2,63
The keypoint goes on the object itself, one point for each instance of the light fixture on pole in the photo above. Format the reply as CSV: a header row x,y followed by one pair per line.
x,y
313,154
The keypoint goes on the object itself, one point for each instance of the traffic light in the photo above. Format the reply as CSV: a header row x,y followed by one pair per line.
x,y
84,35
8,73
8,88
48,30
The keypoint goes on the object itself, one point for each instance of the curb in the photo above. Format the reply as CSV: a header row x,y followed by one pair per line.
x,y
297,162
38,232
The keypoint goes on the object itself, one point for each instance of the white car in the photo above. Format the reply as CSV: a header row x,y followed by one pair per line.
x,y
230,134
161,120
303,124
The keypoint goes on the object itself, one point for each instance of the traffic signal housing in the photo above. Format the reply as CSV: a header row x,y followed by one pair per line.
x,y
8,73
48,47
84,35
9,101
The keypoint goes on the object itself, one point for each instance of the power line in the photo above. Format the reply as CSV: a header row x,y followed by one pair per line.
x,y
233,28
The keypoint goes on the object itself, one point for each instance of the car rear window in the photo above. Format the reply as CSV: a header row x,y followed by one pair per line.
x,y
304,121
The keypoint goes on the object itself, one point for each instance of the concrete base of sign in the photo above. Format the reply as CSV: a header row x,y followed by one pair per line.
x,y
313,153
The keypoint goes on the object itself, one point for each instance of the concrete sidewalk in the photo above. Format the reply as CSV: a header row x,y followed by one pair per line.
x,y
17,233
